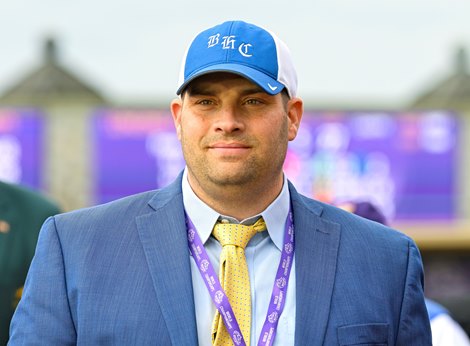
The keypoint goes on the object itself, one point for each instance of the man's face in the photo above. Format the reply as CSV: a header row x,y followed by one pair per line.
x,y
232,132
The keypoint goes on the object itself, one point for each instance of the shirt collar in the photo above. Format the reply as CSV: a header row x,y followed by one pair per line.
x,y
204,217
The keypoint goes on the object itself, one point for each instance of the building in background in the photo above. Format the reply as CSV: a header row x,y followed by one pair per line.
x,y
66,102
453,93
446,254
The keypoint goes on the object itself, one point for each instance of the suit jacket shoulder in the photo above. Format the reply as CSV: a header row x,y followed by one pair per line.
x,y
358,282
121,275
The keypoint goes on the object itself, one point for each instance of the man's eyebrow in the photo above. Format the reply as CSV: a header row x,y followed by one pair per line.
x,y
254,90
197,90
207,90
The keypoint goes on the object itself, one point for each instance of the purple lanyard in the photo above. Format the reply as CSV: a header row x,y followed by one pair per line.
x,y
278,296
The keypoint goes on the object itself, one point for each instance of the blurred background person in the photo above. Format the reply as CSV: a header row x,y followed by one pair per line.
x,y
22,212
445,330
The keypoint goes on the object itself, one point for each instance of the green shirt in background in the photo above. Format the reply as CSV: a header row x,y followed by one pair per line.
x,y
22,212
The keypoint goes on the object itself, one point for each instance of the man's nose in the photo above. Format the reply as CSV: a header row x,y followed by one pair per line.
x,y
229,120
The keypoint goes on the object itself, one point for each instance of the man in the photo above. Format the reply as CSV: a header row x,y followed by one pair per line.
x,y
22,211
445,330
142,270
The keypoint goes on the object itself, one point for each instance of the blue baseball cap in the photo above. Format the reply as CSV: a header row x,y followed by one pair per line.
x,y
244,49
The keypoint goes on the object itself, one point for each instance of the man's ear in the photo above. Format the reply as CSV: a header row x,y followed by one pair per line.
x,y
176,108
295,110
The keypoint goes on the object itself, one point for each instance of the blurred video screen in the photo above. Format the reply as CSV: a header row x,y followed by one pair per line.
x,y
134,151
404,162
21,146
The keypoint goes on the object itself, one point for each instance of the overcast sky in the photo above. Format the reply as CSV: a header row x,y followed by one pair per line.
x,y
347,50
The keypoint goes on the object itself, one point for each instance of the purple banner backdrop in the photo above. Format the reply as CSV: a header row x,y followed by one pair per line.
x,y
135,151
406,163
21,146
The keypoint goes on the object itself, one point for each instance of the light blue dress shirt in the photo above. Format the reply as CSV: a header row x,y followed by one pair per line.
x,y
263,253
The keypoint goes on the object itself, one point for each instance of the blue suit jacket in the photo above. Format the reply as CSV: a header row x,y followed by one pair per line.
x,y
119,274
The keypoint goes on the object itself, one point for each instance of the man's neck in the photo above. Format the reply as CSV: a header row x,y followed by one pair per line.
x,y
240,202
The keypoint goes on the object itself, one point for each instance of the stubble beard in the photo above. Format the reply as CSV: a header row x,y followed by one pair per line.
x,y
224,173
234,174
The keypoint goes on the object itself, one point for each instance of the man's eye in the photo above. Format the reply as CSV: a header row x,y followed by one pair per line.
x,y
253,101
204,102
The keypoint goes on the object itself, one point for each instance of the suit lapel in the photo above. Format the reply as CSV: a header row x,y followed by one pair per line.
x,y
163,237
317,243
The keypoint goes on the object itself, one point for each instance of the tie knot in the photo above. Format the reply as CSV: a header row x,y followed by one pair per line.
x,y
237,234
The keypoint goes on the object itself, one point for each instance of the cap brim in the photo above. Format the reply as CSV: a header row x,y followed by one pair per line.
x,y
268,84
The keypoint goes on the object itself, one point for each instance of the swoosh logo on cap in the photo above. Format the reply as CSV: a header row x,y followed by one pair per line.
x,y
272,87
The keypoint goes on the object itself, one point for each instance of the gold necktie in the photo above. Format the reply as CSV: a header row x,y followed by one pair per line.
x,y
233,276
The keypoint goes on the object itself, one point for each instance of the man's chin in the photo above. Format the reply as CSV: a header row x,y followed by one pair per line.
x,y
232,178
